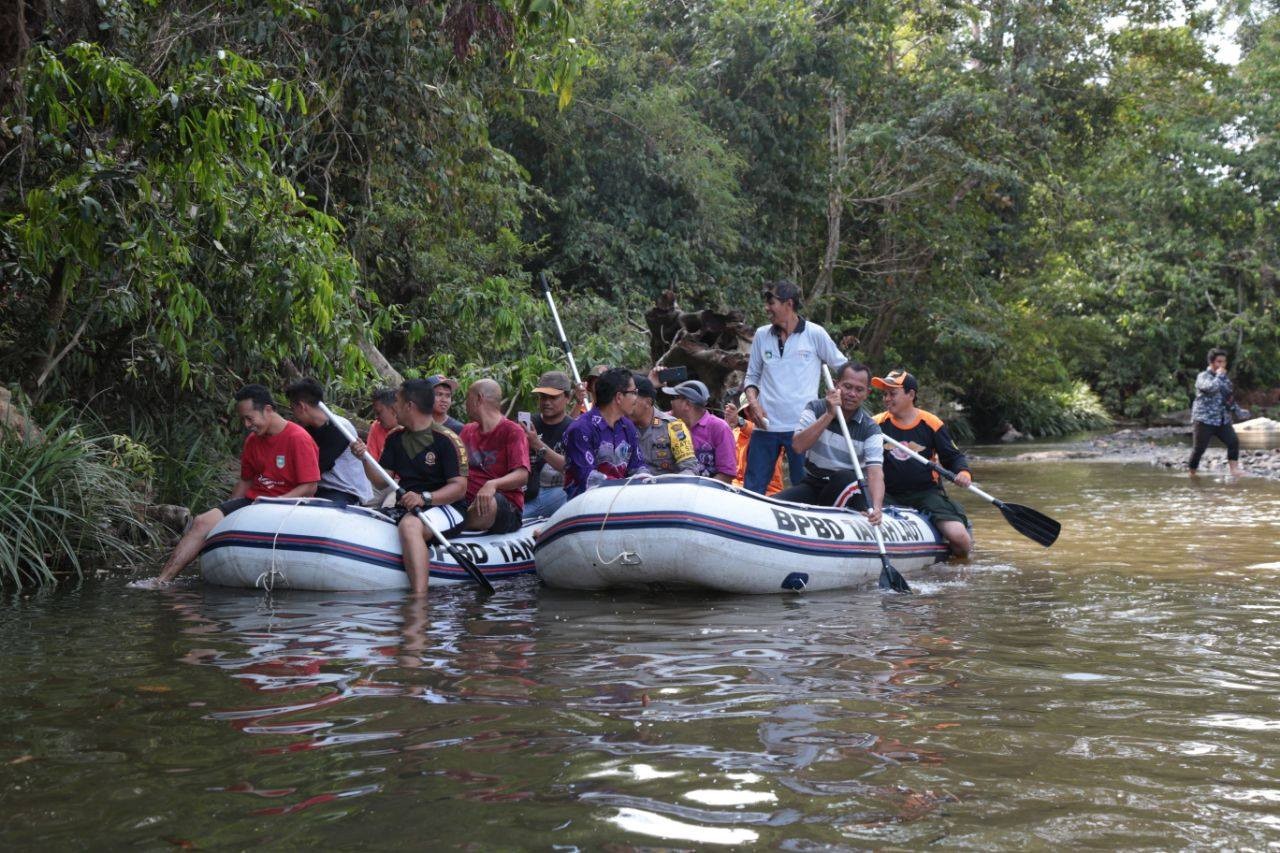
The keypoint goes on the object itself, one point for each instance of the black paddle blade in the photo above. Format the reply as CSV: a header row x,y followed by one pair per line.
x,y
891,578
1034,525
472,569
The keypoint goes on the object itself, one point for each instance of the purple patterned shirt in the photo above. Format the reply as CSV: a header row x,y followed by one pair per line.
x,y
596,452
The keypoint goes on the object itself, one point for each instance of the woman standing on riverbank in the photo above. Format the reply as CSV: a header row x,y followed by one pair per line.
x,y
1211,412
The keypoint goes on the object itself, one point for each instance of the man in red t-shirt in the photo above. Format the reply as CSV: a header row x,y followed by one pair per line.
x,y
279,460
497,462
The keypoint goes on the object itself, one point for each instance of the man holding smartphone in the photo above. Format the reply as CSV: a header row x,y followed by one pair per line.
x,y
711,437
782,377
544,493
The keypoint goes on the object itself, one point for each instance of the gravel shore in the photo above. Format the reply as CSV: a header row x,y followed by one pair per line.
x,y
1150,444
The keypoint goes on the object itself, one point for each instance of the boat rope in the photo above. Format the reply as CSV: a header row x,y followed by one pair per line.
x,y
628,558
267,580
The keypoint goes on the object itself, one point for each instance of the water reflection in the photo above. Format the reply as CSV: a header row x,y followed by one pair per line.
x,y
1116,690
662,716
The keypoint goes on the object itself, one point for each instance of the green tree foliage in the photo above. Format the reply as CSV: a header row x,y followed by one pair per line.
x,y
159,243
1009,198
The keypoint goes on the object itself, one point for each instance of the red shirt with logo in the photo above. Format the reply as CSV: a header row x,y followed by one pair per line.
x,y
276,464
495,454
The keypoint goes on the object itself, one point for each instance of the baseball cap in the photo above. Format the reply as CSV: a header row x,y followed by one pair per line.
x,y
596,372
440,379
692,390
427,386
896,379
644,388
784,289
553,382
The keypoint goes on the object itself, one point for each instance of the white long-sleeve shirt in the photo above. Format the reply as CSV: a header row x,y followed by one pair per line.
x,y
787,375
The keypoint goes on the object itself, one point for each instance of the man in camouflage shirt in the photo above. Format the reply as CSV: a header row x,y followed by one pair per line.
x,y
1212,411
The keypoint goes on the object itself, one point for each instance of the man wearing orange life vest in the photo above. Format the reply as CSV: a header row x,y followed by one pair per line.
x,y
910,483
742,427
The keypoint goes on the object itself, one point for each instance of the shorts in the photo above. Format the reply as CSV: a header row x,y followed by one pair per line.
x,y
933,502
344,498
507,518
831,491
447,519
228,507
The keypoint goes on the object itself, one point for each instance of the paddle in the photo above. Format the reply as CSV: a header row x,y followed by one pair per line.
x,y
564,340
1034,525
890,578
458,554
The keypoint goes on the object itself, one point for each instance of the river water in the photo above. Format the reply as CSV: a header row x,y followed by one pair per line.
x,y
1121,689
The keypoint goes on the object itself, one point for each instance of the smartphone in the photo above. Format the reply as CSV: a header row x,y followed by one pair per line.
x,y
525,419
673,375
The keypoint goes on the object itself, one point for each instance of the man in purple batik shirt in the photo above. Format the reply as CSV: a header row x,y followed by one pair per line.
x,y
601,444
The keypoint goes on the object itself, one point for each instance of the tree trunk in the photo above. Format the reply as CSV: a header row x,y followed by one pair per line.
x,y
824,283
713,345
55,306
880,331
13,47
380,364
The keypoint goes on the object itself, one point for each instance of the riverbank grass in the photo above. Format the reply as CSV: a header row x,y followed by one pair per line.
x,y
68,500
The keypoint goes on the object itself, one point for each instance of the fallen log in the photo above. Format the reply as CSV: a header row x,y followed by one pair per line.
x,y
714,345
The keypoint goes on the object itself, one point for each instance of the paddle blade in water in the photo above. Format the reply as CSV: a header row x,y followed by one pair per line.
x,y
471,568
891,578
1032,524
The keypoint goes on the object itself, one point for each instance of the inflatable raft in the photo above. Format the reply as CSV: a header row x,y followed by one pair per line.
x,y
681,531
289,543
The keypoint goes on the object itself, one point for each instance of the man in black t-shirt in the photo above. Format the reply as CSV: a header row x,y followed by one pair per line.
x,y
544,493
431,466
342,477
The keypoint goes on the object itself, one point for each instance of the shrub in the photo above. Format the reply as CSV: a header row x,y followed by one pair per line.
x,y
192,456
1060,412
67,501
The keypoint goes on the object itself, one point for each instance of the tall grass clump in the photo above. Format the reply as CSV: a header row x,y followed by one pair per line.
x,y
1057,412
193,460
68,501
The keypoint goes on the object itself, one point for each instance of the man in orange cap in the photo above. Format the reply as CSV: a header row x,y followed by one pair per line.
x,y
908,482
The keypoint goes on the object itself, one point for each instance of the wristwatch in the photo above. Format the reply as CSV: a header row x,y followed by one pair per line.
x,y
541,452
426,496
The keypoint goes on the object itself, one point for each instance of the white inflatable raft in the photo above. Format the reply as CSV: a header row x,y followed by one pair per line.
x,y
287,543
681,531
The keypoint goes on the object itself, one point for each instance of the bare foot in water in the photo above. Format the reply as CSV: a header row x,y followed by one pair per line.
x,y
149,583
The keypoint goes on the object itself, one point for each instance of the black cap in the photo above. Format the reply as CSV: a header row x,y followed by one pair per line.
x,y
782,290
644,388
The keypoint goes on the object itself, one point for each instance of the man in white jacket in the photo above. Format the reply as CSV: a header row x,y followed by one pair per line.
x,y
783,375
